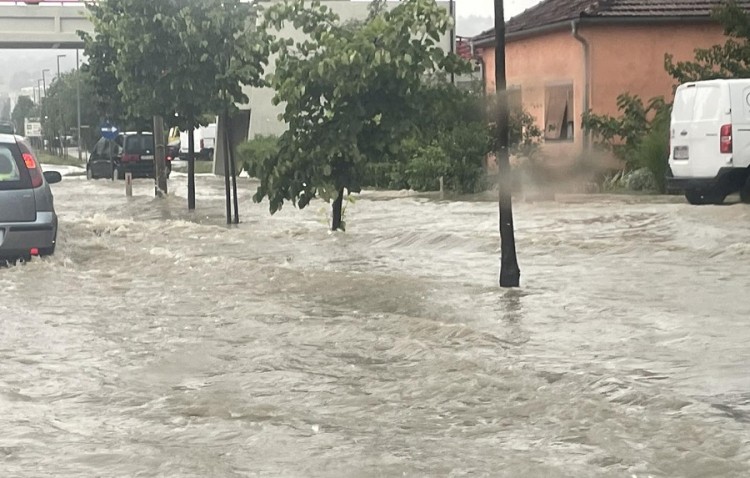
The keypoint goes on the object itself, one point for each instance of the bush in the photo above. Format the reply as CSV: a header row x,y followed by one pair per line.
x,y
640,180
426,167
252,153
652,153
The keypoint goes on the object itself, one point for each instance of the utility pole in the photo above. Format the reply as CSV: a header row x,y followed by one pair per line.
x,y
453,35
78,108
61,134
510,274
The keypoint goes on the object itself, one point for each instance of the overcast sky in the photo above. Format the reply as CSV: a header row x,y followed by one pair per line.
x,y
465,8
474,16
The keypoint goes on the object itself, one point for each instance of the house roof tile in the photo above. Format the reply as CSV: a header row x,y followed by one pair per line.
x,y
549,12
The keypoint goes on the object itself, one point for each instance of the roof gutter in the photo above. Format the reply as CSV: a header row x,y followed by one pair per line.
x,y
586,77
599,21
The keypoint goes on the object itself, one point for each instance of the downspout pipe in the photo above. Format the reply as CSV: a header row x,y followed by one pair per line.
x,y
586,77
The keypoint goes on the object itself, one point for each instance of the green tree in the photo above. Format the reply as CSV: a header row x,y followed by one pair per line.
x,y
351,93
25,108
61,106
639,136
5,109
730,60
178,59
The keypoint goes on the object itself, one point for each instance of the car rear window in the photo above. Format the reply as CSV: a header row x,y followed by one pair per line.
x,y
12,176
139,144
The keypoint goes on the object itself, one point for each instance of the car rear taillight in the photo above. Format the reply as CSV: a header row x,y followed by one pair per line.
x,y
130,158
725,139
37,178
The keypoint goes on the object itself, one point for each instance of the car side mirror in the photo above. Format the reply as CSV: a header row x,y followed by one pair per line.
x,y
52,177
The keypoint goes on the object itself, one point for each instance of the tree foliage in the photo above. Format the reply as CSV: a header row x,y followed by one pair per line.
x,y
730,60
639,136
351,93
174,58
5,109
61,106
25,108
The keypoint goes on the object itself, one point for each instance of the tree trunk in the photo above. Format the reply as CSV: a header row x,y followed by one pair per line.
x,y
510,274
191,169
338,203
232,171
160,158
225,139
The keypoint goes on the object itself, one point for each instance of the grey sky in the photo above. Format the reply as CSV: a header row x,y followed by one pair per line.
x,y
485,8
476,16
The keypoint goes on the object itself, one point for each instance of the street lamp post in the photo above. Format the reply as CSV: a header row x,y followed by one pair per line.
x,y
510,274
61,132
41,104
44,81
58,65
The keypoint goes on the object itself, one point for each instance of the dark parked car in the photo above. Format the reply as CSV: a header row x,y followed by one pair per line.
x,y
7,127
28,223
129,152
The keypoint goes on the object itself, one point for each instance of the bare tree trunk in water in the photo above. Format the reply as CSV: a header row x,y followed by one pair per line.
x,y
510,274
227,146
337,210
191,169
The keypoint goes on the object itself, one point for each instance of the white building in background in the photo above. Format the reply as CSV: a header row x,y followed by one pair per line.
x,y
260,116
263,120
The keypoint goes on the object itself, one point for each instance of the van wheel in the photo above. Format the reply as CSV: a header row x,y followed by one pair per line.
x,y
745,192
700,198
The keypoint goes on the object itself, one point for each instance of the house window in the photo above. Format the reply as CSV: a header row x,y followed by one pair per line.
x,y
558,107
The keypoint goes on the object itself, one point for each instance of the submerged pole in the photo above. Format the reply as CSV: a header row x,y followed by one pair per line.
x,y
510,274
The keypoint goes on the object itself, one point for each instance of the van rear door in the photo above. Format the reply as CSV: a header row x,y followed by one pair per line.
x,y
740,91
696,131
681,122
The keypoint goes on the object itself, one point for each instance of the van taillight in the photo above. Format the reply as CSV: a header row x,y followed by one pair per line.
x,y
37,179
725,140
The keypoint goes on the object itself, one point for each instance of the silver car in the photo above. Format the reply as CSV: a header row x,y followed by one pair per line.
x,y
28,223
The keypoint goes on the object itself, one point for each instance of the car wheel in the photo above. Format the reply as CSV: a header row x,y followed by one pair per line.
x,y
118,173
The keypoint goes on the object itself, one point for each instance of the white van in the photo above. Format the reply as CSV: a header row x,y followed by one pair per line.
x,y
204,138
710,140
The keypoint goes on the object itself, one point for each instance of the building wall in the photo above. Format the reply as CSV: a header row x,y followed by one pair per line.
x,y
264,115
623,59
631,59
534,65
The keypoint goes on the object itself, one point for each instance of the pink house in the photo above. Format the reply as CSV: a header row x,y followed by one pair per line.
x,y
565,57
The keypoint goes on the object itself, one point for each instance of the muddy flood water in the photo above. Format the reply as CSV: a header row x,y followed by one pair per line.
x,y
161,343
